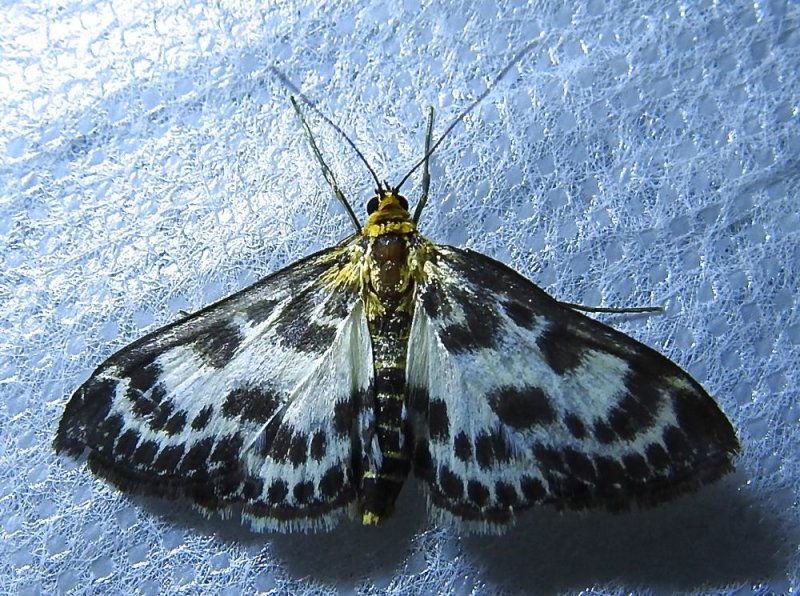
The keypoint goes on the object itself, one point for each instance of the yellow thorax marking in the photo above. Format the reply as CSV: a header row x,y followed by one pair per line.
x,y
389,217
370,519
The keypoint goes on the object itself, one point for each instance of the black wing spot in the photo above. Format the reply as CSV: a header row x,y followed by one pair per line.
x,y
573,492
432,302
169,458
145,454
296,326
574,425
86,419
260,311
160,415
343,418
700,418
277,492
636,466
252,488
126,444
338,305
196,458
532,489
298,449
560,349
227,450
657,456
463,447
506,494
217,343
303,334
303,492
278,447
522,314
144,389
676,443
636,411
551,461
612,480
319,445
522,408
477,493
603,432
176,424
452,486
90,405
460,339
141,377
203,417
93,400
491,448
144,404
631,416
331,483
251,404
580,465
470,322
438,422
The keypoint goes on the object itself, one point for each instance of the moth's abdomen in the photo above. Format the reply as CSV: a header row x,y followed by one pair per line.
x,y
391,284
381,484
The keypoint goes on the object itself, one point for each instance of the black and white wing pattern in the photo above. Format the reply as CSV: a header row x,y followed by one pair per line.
x,y
516,399
254,401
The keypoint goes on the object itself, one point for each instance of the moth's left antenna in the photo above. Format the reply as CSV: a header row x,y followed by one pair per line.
x,y
326,171
293,88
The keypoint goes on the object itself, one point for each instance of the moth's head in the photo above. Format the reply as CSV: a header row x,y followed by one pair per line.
x,y
387,205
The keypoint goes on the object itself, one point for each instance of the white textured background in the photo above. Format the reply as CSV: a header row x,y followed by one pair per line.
x,y
645,153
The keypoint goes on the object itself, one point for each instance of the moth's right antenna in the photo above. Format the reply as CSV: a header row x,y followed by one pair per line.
x,y
469,108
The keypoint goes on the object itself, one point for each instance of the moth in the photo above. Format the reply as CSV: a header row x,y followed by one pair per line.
x,y
313,394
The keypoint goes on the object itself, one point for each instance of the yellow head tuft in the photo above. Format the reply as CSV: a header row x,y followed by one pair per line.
x,y
388,212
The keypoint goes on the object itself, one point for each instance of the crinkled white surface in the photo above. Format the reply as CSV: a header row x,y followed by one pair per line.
x,y
645,153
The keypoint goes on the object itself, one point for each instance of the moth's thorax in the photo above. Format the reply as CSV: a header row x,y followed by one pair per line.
x,y
389,248
388,259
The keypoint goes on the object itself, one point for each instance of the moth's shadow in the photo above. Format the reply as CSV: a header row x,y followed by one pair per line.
x,y
711,539
348,554
353,553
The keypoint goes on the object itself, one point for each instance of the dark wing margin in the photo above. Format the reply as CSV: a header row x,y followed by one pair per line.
x,y
251,402
517,400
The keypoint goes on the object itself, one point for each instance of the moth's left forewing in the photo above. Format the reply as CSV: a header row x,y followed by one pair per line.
x,y
516,400
252,402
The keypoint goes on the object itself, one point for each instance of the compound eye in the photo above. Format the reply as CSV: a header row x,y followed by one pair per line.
x,y
372,206
403,202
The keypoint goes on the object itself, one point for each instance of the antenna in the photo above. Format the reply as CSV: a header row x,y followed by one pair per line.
x,y
326,171
522,53
293,88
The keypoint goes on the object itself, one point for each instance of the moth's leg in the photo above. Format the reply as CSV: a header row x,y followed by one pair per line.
x,y
609,309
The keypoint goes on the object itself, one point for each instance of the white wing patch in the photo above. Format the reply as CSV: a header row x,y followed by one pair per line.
x,y
254,402
518,400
